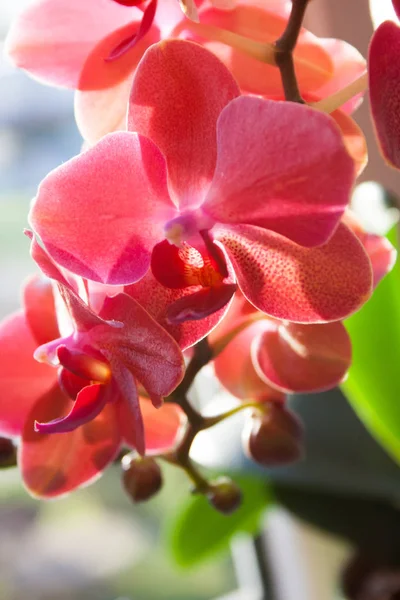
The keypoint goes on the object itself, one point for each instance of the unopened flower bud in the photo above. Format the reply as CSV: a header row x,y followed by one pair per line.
x,y
8,453
142,477
224,495
273,438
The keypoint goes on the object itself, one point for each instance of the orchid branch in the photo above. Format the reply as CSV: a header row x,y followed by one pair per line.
x,y
284,47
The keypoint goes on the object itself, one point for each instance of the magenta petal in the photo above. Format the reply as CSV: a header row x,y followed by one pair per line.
x,y
145,24
142,345
306,285
100,214
88,404
200,304
384,89
129,397
23,380
281,166
177,106
53,465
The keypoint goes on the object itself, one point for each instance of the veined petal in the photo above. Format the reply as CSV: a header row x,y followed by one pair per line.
x,y
100,213
305,285
40,310
23,380
55,464
384,89
142,345
66,43
88,404
177,106
298,197
297,358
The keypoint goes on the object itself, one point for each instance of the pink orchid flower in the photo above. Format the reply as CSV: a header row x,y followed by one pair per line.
x,y
205,163
289,357
54,464
95,46
99,365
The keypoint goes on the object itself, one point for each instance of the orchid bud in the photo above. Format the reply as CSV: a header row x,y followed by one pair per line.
x,y
142,477
8,453
224,495
274,437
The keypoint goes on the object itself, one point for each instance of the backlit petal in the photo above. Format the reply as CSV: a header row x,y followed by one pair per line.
x,y
177,106
301,197
100,213
23,379
55,464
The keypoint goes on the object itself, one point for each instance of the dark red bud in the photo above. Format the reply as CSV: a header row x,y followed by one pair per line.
x,y
8,453
142,477
224,495
274,437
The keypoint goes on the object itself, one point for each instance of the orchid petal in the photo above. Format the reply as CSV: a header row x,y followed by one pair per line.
x,y
88,404
142,345
305,285
261,22
66,43
132,40
100,112
23,380
162,426
298,358
384,89
53,465
348,64
177,107
200,304
122,181
40,310
129,397
235,370
157,299
296,197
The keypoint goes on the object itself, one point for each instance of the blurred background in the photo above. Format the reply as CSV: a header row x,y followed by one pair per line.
x,y
96,544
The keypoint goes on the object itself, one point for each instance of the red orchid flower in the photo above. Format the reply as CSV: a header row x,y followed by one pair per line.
x,y
54,464
289,357
95,46
384,87
206,164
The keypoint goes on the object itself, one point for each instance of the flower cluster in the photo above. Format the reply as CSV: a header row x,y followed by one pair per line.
x,y
204,220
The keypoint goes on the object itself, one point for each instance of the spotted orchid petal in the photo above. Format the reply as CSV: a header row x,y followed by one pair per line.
x,y
306,285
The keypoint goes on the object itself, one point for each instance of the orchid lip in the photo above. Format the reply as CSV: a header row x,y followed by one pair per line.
x,y
187,227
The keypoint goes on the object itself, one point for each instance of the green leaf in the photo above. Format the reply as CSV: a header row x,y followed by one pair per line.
x,y
373,385
199,531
